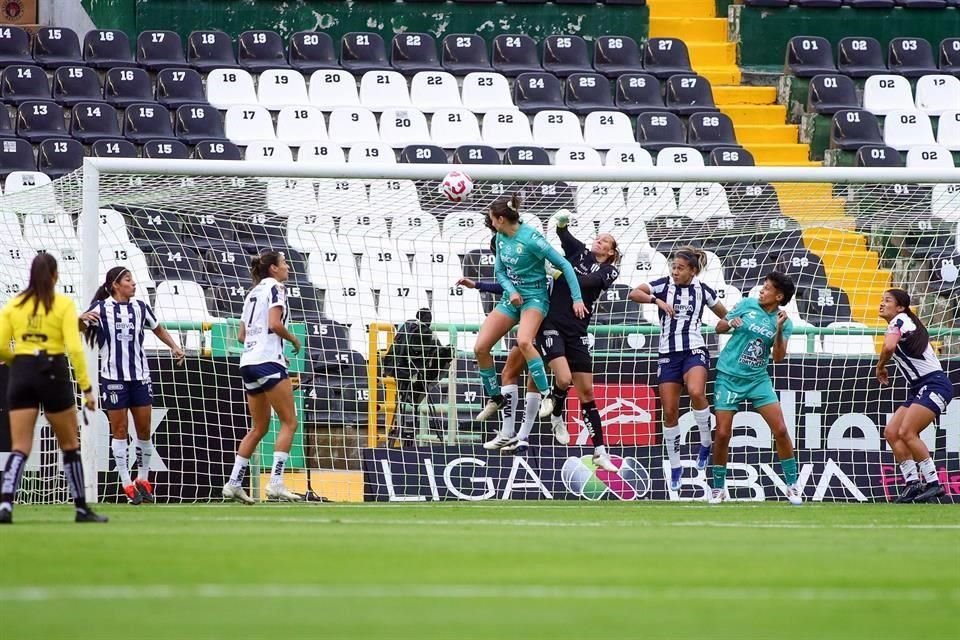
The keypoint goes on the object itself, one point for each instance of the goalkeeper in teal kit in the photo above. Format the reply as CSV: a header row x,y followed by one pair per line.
x,y
759,327
520,270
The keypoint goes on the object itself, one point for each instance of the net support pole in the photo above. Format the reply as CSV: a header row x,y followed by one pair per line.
x,y
89,264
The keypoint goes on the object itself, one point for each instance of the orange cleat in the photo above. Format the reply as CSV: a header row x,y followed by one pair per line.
x,y
145,489
133,496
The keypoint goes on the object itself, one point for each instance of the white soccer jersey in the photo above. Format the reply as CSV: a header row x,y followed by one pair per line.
x,y
683,331
914,355
120,334
261,344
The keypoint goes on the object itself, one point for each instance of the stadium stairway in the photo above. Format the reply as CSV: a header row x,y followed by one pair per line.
x,y
759,122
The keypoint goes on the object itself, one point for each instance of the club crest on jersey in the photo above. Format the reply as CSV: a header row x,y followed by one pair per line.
x,y
519,249
752,356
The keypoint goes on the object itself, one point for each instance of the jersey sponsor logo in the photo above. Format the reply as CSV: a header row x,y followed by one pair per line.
x,y
683,311
762,330
115,387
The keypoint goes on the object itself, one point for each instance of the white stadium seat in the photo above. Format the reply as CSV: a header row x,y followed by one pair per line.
x,y
905,129
111,229
361,226
679,157
465,225
247,124
372,152
450,128
381,90
49,231
400,127
929,156
411,230
642,264
703,200
937,94
268,152
382,263
579,155
504,128
847,344
712,273
182,301
945,202
433,90
553,129
41,196
331,89
289,196
309,232
485,91
278,88
884,93
397,197
353,304
629,154
599,201
230,87
948,130
334,196
320,152
331,263
650,200
349,125
729,296
606,129
295,124
130,256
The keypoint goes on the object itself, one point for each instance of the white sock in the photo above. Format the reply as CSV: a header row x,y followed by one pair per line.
x,y
146,455
928,470
121,456
240,465
511,401
279,462
671,440
531,407
702,416
599,450
909,470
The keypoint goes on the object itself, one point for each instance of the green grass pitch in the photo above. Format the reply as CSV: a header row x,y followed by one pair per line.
x,y
493,570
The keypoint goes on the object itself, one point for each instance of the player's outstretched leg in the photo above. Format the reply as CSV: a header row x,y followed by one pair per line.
x,y
721,447
508,403
773,416
494,327
695,380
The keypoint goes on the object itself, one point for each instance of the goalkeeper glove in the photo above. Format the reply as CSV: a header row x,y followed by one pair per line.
x,y
563,218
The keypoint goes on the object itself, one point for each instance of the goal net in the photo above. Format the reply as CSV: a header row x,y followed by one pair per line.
x,y
386,387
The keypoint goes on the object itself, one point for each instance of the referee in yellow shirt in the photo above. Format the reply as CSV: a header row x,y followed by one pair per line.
x,y
42,328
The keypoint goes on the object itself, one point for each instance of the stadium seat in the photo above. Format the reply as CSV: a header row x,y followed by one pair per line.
x,y
668,233
860,57
877,156
664,57
945,202
948,131
753,202
629,154
586,92
330,89
56,47
423,154
40,119
700,201
304,303
177,87
76,84
637,93
320,152
451,128
246,124
260,51
904,129
114,148
526,155
433,90
153,227
267,151
854,128
803,267
505,128
616,55
92,121
294,122
400,127
463,53
380,90
279,88
211,231
311,51
678,157
606,129
706,131
825,305
809,56
911,57
227,265
230,87
648,200
533,92
565,54
47,231
142,122
165,150
182,301
688,94
937,94
598,205
482,92
475,154
123,86
929,156
577,154
361,52
885,93
656,130
14,46
371,153
158,50
829,93
6,127
106,48
332,266
209,50
515,54
411,53
23,82
950,56
347,126
730,157
556,128
59,156
198,122
847,344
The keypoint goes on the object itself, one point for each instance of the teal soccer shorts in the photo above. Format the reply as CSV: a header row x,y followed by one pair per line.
x,y
540,302
730,391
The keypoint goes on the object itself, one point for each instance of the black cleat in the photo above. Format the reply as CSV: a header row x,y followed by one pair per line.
x,y
6,517
145,491
930,493
910,493
90,516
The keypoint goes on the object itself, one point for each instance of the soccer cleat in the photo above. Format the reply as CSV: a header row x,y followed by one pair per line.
x,y
703,457
281,493
237,494
89,516
910,493
145,489
603,461
930,492
717,496
499,442
517,448
133,496
794,495
490,409
560,429
546,406
675,474
6,516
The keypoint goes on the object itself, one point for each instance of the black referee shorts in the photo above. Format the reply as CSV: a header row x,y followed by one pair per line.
x,y
554,343
41,381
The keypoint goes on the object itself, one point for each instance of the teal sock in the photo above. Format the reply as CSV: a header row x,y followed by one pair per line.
x,y
539,374
719,476
488,376
789,467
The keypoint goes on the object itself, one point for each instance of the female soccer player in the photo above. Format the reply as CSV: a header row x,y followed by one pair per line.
x,y
908,343
520,270
684,359
115,324
562,340
759,326
263,368
42,326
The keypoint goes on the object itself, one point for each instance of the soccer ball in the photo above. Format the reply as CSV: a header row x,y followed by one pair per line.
x,y
456,186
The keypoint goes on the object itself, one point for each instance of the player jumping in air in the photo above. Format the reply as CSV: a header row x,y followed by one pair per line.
x,y
759,327
908,343
684,359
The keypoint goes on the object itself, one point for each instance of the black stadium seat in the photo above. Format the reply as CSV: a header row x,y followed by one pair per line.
x,y
463,53
616,55
56,46
40,119
533,92
176,87
158,50
950,56
565,54
804,268
304,302
637,93
362,51
227,265
212,232
586,92
23,82
854,128
92,121
414,52
217,150
6,127
146,121
165,150
860,57
753,202
174,262
731,157
423,154
688,93
106,48
809,56
311,51
209,50
829,93
871,4
526,156
57,157
198,122
14,46
515,54
115,148
706,131
123,86
258,51
475,154
664,57
877,156
75,84
153,227
911,57
667,232
657,130
16,154
823,305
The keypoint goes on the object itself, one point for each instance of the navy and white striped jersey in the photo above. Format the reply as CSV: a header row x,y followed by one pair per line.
x,y
120,333
261,344
682,332
914,355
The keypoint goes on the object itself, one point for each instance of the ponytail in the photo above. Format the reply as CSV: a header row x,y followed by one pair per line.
x,y
507,207
104,291
260,265
696,258
902,298
43,279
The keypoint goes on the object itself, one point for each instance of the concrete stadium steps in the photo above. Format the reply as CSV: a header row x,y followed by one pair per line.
x,y
683,8
709,29
812,204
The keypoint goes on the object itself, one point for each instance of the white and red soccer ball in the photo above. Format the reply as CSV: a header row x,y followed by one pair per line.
x,y
456,186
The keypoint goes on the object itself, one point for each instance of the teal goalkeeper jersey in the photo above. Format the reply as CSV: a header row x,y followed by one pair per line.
x,y
748,351
520,268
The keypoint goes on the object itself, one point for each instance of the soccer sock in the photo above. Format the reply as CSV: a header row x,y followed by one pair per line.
x,y
531,407
909,470
145,455
719,476
599,450
488,377
538,373
120,455
559,400
240,465
928,470
511,401
789,466
11,479
702,416
73,469
592,417
671,440
276,471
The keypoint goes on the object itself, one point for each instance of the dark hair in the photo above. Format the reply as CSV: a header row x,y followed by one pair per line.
x,y
260,265
104,291
43,274
696,258
784,284
507,207
902,298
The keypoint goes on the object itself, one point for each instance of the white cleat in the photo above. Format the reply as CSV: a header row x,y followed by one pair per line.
x,y
237,494
603,461
717,496
499,442
516,447
560,429
794,495
281,493
546,406
489,410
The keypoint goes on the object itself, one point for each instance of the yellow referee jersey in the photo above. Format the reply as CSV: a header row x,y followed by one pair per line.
x,y
56,333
